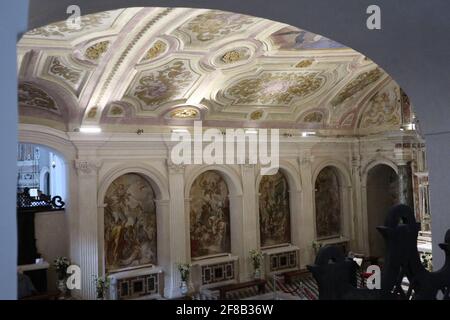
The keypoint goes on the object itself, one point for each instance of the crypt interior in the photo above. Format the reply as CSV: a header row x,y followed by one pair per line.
x,y
98,105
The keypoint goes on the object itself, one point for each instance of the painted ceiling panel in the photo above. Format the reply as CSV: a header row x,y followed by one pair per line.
x,y
147,66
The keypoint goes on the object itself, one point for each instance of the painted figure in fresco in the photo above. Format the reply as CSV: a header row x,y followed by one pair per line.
x,y
130,223
209,215
290,38
274,212
328,204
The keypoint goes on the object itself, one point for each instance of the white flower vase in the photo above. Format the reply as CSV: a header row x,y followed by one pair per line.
x,y
184,288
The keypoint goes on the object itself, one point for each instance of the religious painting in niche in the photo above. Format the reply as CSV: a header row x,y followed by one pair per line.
x,y
130,223
274,212
209,215
328,203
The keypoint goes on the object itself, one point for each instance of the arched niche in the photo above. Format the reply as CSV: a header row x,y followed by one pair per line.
x,y
209,215
294,182
274,210
329,203
382,194
130,228
160,198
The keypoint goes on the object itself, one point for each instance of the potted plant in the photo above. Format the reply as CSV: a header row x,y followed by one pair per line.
x,y
101,287
61,264
184,269
256,257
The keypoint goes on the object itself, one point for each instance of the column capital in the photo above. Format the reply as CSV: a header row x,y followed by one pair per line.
x,y
305,159
175,168
87,167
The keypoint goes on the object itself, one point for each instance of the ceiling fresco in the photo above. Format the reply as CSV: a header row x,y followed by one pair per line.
x,y
290,38
153,67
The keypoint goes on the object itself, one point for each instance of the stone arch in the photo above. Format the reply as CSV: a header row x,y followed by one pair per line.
x,y
381,193
294,192
154,177
160,189
344,196
234,186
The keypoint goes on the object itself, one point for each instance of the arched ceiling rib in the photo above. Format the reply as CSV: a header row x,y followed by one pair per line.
x,y
162,66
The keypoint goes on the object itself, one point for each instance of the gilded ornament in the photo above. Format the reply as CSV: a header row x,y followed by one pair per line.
x,y
58,69
360,82
92,113
184,113
116,111
156,50
383,110
32,96
313,117
304,63
95,51
231,56
256,115
278,88
215,25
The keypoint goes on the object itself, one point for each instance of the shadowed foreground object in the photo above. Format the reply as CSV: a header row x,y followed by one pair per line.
x,y
336,274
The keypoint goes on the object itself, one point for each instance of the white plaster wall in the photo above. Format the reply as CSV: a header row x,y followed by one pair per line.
x,y
52,239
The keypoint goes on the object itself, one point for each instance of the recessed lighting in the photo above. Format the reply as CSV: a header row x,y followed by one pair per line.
x,y
180,130
251,131
308,133
90,129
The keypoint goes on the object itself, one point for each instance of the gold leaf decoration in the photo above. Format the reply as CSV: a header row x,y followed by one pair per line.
x,y
383,110
162,85
304,63
215,25
60,70
313,117
30,95
92,113
231,56
95,51
184,113
360,82
269,88
116,111
156,50
256,115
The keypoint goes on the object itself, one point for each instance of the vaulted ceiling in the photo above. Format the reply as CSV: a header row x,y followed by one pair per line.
x,y
153,67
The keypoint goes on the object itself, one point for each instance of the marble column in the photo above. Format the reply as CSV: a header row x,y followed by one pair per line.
x,y
405,189
250,218
88,225
178,228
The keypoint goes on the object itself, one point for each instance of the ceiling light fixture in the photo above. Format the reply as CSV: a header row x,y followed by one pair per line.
x,y
251,131
308,133
180,130
90,129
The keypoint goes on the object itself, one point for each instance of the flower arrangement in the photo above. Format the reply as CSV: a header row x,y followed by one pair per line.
x,y
61,264
256,257
316,245
101,286
185,269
